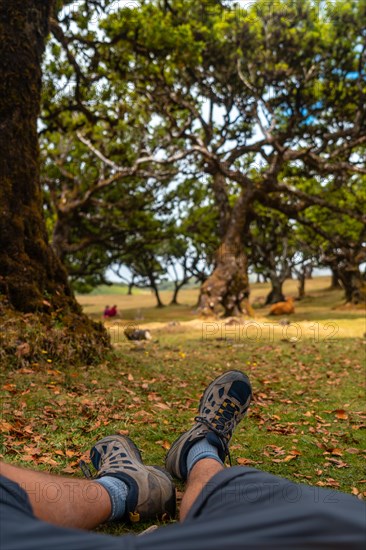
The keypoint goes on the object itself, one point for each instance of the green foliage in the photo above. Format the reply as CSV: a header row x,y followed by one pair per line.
x,y
270,97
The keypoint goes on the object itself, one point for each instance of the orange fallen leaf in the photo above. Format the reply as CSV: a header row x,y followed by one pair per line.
x,y
5,427
289,457
244,461
47,460
123,432
341,414
10,387
336,452
70,453
28,458
165,444
295,452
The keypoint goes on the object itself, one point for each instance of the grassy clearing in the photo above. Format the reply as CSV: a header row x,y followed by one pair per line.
x,y
307,421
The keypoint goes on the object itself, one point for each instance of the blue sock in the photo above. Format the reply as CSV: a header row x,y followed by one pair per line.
x,y
201,449
118,491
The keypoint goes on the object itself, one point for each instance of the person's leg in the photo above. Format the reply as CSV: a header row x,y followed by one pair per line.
x,y
239,507
244,505
64,501
39,511
124,489
199,454
20,529
200,475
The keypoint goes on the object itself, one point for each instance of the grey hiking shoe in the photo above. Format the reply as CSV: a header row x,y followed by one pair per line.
x,y
222,406
151,491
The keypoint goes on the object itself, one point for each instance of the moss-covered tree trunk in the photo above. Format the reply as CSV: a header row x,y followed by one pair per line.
x,y
228,286
354,284
32,279
31,276
345,265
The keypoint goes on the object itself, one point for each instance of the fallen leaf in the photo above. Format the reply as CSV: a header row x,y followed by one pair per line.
x,y
244,461
352,451
165,444
10,387
341,414
336,452
289,457
123,432
161,406
5,427
295,452
70,453
69,470
47,460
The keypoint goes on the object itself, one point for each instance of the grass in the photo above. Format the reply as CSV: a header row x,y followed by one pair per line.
x,y
307,421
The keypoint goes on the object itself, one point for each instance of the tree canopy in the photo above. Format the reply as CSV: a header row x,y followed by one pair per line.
x,y
146,105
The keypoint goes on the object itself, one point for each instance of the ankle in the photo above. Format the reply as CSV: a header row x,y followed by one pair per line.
x,y
204,470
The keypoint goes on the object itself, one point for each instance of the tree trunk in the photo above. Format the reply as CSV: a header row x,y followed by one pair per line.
x,y
303,275
228,285
301,288
276,294
157,296
155,290
354,284
174,300
335,284
32,279
30,272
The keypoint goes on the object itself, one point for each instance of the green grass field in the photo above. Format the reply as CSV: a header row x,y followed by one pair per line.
x,y
307,421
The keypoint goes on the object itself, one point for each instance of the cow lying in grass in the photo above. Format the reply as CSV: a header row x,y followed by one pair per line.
x,y
283,308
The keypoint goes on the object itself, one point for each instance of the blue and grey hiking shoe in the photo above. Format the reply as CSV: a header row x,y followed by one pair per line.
x,y
222,406
151,493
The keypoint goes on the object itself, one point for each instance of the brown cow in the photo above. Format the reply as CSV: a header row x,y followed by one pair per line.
x,y
283,308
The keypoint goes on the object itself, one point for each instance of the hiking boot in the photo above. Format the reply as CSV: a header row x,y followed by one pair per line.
x,y
151,493
222,406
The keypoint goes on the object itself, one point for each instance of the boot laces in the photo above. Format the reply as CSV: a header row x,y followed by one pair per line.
x,y
223,423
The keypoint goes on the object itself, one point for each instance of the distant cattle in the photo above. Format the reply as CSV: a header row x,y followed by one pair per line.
x,y
110,312
283,308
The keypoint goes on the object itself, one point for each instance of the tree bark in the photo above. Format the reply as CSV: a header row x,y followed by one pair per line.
x,y
228,285
335,284
174,300
32,278
276,294
301,287
154,287
345,265
354,284
157,296
30,272
303,274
